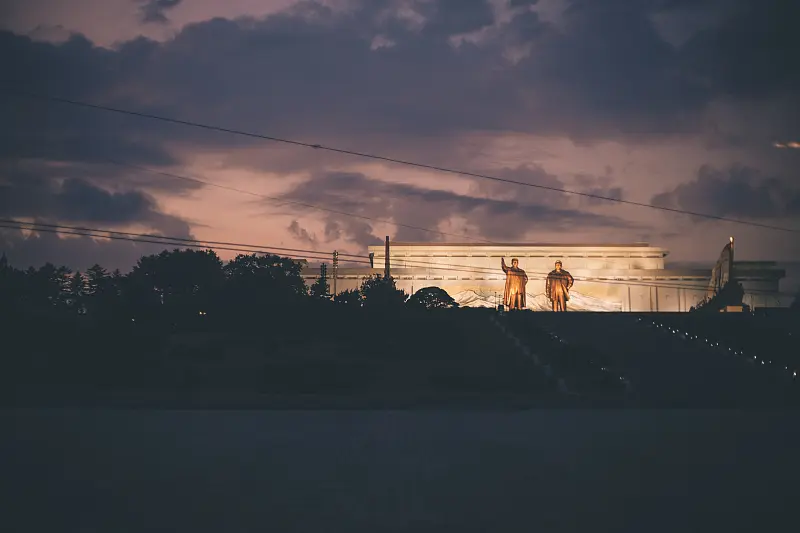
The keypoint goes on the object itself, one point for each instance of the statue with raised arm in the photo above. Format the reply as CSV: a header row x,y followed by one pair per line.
x,y
557,287
516,280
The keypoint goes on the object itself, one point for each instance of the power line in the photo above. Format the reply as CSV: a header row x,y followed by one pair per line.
x,y
132,237
318,255
541,276
294,202
150,241
179,239
392,160
105,234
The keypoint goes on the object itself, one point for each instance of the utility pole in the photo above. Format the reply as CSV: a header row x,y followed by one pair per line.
x,y
335,270
730,261
323,275
386,269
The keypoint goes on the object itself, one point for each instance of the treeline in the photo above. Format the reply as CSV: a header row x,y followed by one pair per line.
x,y
190,285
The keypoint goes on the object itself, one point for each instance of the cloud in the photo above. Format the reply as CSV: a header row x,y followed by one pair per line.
x,y
301,233
603,73
352,230
598,186
24,194
494,218
454,17
522,3
154,11
312,71
736,192
35,129
533,174
752,54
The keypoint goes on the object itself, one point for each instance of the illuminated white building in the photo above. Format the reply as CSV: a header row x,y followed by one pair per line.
x,y
608,277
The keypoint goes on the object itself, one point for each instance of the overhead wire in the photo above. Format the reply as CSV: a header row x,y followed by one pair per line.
x,y
106,234
541,276
285,201
448,267
317,255
295,202
440,266
179,239
387,159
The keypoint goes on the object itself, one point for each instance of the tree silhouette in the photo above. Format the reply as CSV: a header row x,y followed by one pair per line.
x,y
12,285
181,283
380,292
77,291
432,298
48,287
260,285
97,280
103,293
350,297
320,288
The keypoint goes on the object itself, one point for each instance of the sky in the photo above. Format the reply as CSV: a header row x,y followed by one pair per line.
x,y
677,103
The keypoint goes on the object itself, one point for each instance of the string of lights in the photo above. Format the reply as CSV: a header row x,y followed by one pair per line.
x,y
712,344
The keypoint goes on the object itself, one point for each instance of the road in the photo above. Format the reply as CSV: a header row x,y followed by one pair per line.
x,y
87,470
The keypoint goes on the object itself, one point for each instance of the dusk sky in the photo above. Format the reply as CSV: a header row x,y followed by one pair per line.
x,y
679,103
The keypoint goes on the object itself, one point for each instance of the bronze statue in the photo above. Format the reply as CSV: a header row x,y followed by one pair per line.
x,y
557,287
516,279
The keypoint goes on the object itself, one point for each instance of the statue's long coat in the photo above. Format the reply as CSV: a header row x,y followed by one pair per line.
x,y
558,282
516,280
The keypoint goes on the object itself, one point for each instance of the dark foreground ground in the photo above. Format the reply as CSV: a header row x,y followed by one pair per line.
x,y
92,471
353,359
316,424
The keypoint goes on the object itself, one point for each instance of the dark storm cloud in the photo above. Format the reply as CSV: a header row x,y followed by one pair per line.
x,y
598,186
26,194
752,54
604,186
497,218
76,69
735,192
312,72
300,233
453,17
155,10
533,174
353,230
609,73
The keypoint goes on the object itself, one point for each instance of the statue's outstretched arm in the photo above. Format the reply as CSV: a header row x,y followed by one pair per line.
x,y
503,264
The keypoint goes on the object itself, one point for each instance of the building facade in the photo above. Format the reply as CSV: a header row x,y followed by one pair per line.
x,y
609,277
